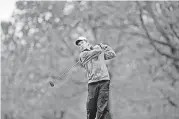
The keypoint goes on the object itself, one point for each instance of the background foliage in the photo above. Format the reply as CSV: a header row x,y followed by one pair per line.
x,y
37,45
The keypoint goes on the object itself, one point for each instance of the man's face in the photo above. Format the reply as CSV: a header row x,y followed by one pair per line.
x,y
83,45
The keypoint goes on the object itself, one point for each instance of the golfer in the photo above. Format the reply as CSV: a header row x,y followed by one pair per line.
x,y
93,59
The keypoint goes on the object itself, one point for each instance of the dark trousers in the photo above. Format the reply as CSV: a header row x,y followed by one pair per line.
x,y
98,100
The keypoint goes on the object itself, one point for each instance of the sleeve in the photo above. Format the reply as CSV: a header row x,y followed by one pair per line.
x,y
86,56
108,52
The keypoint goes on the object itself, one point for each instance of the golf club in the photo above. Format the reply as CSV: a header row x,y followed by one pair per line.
x,y
52,83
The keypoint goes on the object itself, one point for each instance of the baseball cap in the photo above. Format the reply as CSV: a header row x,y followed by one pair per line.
x,y
79,39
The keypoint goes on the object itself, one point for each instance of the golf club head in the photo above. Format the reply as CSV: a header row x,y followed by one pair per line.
x,y
51,83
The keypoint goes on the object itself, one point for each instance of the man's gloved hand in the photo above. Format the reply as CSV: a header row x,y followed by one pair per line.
x,y
103,46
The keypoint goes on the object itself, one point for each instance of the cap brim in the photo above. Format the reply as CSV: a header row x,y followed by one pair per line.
x,y
78,41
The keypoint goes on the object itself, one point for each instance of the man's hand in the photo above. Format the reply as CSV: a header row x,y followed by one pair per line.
x,y
97,47
103,46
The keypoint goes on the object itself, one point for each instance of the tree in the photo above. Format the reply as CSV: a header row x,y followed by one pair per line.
x,y
164,37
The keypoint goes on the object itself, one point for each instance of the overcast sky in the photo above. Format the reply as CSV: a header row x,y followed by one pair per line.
x,y
6,9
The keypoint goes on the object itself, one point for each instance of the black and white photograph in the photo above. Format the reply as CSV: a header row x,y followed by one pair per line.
x,y
89,59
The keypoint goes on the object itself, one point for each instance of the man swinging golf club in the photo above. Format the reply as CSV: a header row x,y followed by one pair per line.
x,y
93,59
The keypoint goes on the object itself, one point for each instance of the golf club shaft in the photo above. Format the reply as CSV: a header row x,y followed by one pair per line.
x,y
47,89
68,70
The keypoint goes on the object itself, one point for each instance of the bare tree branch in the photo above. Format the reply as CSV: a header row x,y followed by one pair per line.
x,y
170,101
155,41
159,27
151,41
174,32
157,24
